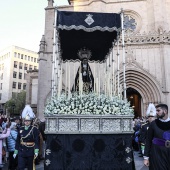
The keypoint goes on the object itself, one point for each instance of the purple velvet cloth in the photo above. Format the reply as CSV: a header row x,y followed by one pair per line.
x,y
161,142
157,141
166,135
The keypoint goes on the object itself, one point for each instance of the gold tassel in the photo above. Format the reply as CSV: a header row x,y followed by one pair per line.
x,y
34,163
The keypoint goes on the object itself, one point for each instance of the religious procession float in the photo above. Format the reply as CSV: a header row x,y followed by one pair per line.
x,y
88,119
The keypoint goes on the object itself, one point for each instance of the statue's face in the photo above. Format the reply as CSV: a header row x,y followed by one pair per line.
x,y
84,55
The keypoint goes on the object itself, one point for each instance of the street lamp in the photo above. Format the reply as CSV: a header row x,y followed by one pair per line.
x,y
13,107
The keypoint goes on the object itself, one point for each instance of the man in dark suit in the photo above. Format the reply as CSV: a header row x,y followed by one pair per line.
x,y
157,148
27,145
143,131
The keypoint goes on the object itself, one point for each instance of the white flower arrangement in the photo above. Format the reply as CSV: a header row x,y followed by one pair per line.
x,y
91,104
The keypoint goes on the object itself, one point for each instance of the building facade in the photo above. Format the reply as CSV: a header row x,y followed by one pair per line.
x,y
32,89
147,46
14,64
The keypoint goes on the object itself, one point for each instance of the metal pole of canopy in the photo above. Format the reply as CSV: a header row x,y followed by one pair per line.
x,y
118,69
54,58
123,51
58,63
113,70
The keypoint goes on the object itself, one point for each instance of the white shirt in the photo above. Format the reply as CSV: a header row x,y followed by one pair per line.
x,y
166,120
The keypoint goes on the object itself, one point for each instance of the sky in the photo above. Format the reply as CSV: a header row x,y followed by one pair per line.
x,y
22,22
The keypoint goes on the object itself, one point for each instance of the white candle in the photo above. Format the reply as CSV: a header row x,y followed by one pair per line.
x,y
80,79
66,79
103,80
115,86
105,83
81,85
94,76
60,82
118,88
99,81
61,74
59,88
69,89
118,69
74,78
121,90
110,87
113,69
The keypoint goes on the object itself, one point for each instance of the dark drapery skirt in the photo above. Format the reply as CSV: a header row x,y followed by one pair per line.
x,y
89,152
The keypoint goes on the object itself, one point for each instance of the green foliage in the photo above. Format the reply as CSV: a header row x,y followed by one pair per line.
x,y
16,104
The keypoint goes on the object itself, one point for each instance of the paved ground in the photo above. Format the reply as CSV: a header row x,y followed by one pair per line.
x,y
38,167
138,163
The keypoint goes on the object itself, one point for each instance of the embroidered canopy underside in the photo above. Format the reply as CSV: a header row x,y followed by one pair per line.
x,y
87,30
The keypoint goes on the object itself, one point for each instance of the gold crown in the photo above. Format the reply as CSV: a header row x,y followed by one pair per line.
x,y
84,53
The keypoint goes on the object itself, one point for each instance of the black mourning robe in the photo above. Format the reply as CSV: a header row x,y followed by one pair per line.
x,y
159,156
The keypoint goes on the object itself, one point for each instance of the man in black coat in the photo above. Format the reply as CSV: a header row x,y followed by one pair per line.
x,y
157,148
27,145
143,131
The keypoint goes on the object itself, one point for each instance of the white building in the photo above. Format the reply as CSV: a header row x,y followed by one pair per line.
x,y
14,64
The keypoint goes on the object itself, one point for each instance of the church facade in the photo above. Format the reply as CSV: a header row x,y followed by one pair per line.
x,y
147,49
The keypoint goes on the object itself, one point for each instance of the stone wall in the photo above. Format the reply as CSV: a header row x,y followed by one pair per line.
x,y
147,47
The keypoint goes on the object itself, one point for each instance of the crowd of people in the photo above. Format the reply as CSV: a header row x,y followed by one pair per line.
x,y
152,137
140,127
22,141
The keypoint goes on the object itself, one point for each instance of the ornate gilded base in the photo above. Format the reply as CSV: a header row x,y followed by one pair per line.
x,y
88,124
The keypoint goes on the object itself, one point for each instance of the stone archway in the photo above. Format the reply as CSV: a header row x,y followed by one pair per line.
x,y
145,84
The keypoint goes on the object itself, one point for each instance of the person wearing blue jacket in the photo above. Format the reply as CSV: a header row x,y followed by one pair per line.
x,y
11,142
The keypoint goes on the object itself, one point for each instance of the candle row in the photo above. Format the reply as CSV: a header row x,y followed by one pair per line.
x,y
107,84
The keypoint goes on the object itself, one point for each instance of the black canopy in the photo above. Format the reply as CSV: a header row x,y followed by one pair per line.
x,y
87,30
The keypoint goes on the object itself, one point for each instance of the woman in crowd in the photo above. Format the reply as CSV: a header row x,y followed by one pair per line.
x,y
11,141
3,135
